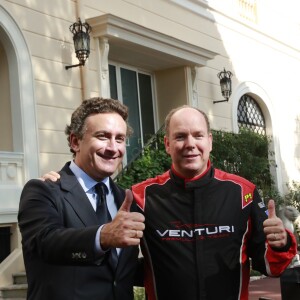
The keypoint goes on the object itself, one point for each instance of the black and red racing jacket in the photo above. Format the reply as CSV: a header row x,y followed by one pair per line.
x,y
200,235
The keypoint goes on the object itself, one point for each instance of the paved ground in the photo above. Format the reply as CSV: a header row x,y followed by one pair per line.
x,y
266,288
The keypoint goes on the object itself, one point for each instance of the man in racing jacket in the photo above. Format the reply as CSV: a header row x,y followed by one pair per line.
x,y
203,225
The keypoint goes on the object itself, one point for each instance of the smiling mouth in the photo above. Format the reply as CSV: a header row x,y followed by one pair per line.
x,y
191,156
105,157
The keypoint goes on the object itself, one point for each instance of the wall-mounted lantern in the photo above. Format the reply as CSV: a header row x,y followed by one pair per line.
x,y
81,40
225,83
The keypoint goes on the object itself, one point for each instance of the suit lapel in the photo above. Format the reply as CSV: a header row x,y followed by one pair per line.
x,y
76,197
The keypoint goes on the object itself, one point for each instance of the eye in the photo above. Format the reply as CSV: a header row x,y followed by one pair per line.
x,y
101,136
199,135
120,139
179,137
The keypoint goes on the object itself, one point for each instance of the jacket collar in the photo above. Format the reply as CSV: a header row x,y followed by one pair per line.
x,y
195,182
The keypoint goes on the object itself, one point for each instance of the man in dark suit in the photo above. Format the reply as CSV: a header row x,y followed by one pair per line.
x,y
71,250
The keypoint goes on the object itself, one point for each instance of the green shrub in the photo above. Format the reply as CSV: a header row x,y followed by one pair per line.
x,y
152,161
245,154
139,293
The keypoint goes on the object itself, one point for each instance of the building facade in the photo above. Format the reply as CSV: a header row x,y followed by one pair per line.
x,y
153,56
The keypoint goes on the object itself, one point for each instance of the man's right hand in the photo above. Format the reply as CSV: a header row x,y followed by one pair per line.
x,y
126,229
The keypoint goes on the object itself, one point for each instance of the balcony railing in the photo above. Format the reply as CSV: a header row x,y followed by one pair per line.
x,y
248,10
11,183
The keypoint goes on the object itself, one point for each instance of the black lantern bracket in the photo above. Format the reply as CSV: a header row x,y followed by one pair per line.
x,y
225,83
81,39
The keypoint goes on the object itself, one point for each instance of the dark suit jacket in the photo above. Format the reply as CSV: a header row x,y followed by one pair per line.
x,y
58,227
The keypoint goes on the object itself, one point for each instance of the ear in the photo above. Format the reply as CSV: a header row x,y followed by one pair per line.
x,y
74,142
167,144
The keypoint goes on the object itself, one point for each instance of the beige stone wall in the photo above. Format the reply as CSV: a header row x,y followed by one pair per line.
x,y
261,52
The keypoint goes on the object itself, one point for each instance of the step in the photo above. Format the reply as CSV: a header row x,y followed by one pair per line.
x,y
14,291
20,278
12,298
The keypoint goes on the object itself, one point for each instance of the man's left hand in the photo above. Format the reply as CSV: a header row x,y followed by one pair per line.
x,y
274,229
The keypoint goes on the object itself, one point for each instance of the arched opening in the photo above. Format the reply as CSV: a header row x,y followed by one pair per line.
x,y
261,100
5,104
250,115
19,154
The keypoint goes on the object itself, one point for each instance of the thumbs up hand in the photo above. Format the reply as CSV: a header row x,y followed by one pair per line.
x,y
126,229
271,209
274,229
127,202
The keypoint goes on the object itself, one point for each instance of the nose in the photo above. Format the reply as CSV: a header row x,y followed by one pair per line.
x,y
112,145
190,142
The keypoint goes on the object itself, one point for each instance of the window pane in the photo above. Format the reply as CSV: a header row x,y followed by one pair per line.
x,y
113,82
130,98
146,106
250,115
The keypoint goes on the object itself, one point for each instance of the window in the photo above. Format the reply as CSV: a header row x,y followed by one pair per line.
x,y
250,115
6,128
134,89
